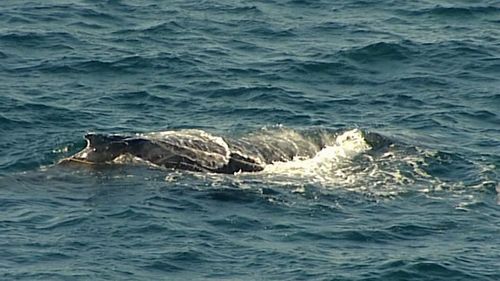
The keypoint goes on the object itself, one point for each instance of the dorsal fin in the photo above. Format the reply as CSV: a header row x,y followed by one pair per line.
x,y
94,140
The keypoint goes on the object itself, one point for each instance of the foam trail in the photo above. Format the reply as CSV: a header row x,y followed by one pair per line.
x,y
348,164
346,146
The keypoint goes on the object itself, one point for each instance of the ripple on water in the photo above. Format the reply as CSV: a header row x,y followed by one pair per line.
x,y
421,77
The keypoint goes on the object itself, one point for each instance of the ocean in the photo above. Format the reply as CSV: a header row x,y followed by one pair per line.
x,y
406,187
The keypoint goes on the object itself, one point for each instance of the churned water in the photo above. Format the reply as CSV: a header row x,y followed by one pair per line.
x,y
407,189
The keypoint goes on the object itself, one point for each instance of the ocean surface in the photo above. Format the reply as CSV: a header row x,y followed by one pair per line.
x,y
420,202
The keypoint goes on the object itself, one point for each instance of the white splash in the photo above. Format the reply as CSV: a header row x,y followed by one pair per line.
x,y
347,164
320,167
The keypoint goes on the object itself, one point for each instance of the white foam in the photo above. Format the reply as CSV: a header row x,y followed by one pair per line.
x,y
325,162
347,164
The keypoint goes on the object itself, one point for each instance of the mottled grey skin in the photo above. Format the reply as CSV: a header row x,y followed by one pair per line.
x,y
102,149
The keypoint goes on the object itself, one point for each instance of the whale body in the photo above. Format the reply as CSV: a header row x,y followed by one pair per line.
x,y
197,150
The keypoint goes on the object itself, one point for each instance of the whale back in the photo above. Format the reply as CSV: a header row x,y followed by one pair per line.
x,y
186,149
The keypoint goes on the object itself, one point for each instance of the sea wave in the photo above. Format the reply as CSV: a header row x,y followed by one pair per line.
x,y
458,12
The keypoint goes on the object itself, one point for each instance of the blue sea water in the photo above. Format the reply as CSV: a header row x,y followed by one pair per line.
x,y
423,75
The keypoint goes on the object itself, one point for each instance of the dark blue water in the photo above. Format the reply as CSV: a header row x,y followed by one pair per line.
x,y
424,75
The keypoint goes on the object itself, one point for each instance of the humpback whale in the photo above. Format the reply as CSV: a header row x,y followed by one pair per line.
x,y
197,150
